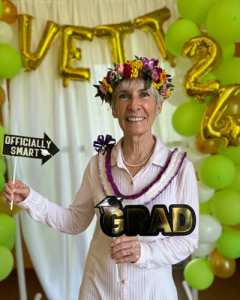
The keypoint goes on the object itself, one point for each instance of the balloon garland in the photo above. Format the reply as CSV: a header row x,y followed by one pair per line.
x,y
10,62
212,82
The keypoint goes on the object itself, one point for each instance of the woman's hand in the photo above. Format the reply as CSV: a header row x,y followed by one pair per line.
x,y
125,249
19,191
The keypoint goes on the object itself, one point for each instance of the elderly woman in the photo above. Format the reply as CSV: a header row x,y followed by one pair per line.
x,y
142,170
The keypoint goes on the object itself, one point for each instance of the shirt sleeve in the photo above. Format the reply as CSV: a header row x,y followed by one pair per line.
x,y
72,220
173,249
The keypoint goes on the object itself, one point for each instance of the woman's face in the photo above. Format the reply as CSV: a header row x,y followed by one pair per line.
x,y
135,109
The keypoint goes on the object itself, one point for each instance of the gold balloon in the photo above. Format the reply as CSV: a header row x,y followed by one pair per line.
x,y
9,12
68,53
5,208
221,266
210,54
30,60
233,106
208,146
115,34
153,22
215,121
2,96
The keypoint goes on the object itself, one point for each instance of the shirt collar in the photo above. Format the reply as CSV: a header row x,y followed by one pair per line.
x,y
159,156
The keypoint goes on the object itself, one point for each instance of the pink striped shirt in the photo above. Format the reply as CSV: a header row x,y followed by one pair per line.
x,y
150,278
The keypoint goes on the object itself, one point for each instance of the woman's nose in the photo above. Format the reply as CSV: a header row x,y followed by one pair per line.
x,y
133,103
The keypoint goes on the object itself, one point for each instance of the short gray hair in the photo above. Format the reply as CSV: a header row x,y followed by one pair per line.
x,y
134,83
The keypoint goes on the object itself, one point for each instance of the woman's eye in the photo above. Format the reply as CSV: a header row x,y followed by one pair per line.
x,y
123,96
145,94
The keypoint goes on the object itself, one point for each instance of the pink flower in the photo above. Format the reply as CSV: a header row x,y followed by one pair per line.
x,y
165,91
120,69
103,89
155,76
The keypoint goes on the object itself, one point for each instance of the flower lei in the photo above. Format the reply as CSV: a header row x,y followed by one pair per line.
x,y
150,192
139,67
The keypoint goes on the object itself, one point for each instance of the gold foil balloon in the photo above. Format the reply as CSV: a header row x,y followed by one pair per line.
x,y
115,34
5,208
9,12
210,58
207,145
153,22
215,121
221,266
233,107
68,53
31,60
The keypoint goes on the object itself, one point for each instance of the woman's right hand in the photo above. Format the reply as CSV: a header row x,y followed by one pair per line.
x,y
19,191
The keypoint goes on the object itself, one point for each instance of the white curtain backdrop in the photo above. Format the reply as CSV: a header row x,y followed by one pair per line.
x,y
73,118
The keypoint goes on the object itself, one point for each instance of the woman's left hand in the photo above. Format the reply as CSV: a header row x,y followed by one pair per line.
x,y
125,249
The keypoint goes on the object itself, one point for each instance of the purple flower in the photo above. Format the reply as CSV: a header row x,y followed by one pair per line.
x,y
150,65
145,62
154,62
159,71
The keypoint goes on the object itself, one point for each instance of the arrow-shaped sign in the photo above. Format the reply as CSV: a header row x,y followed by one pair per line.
x,y
16,145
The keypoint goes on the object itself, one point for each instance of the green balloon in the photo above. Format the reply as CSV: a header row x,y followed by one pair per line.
x,y
199,274
225,207
195,11
217,171
2,132
2,166
229,72
229,243
234,185
179,33
228,50
208,76
7,228
6,262
187,118
2,181
205,208
223,21
10,243
1,9
10,61
232,152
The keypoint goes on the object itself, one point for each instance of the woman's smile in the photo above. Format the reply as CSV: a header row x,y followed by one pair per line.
x,y
135,119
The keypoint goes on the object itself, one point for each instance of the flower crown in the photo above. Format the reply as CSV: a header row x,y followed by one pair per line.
x,y
139,67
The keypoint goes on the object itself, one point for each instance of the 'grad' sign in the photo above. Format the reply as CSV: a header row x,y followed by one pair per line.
x,y
15,145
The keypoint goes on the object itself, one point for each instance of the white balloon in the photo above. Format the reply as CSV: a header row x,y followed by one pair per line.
x,y
195,156
204,249
205,193
210,229
6,33
183,64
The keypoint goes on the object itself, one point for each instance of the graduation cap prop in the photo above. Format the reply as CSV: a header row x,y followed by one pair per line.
x,y
31,147
110,204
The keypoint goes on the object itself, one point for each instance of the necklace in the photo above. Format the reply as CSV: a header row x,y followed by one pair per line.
x,y
134,166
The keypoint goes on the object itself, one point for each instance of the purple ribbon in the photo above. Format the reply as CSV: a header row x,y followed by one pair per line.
x,y
101,145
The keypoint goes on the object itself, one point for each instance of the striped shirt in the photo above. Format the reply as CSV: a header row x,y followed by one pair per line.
x,y
150,278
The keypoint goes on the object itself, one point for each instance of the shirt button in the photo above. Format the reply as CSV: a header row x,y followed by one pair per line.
x,y
131,182
123,281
